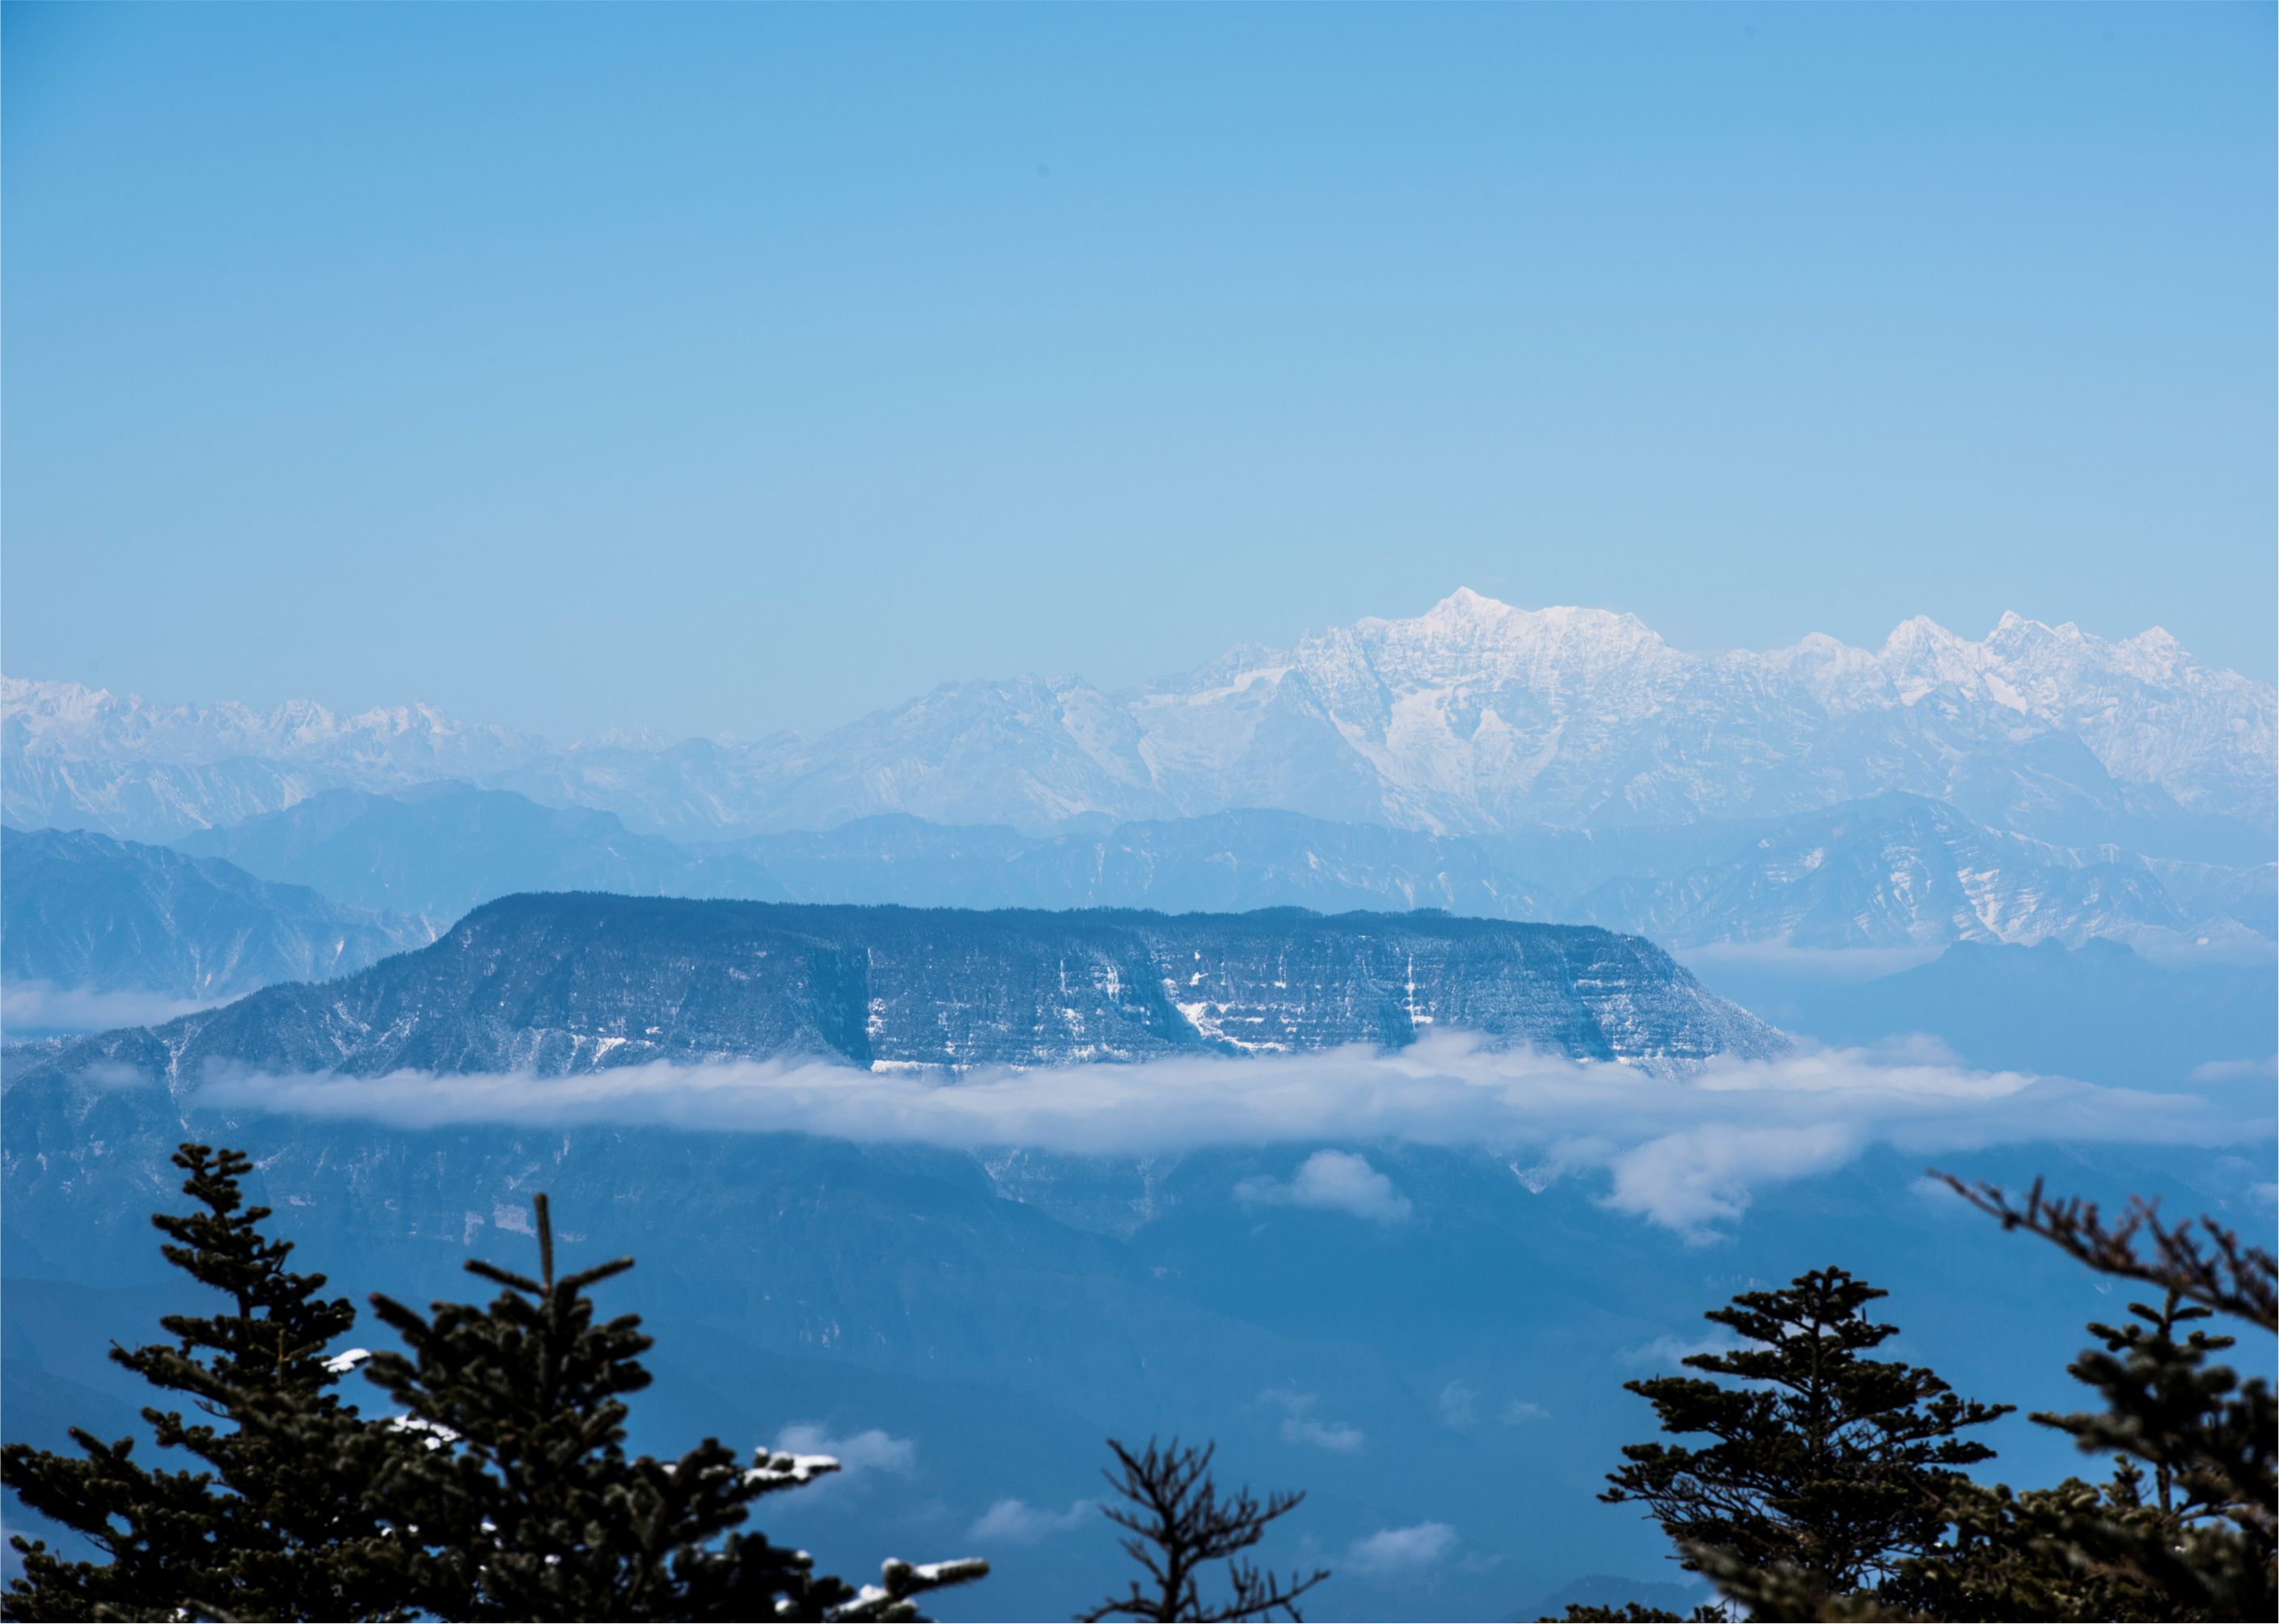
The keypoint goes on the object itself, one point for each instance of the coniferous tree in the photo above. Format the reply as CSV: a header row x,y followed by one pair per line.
x,y
272,1523
1828,1470
522,1503
1178,1523
505,1491
2179,1531
2201,1261
2185,1527
2204,1541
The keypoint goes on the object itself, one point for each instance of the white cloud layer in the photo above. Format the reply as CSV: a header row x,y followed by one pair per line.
x,y
1685,1151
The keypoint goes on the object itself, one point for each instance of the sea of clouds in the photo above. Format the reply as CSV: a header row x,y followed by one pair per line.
x,y
1684,1152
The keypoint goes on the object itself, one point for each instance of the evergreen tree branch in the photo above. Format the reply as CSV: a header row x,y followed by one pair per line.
x,y
2200,1260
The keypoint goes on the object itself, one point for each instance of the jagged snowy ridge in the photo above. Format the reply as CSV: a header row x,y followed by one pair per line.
x,y
1473,716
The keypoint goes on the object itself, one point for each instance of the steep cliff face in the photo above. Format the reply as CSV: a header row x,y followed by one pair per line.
x,y
562,983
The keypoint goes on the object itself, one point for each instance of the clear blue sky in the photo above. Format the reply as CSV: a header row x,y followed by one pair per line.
x,y
734,368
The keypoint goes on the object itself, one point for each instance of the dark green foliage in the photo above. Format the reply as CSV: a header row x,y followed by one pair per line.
x,y
1637,1612
1178,1523
2204,1437
503,1492
2184,1529
526,1505
2181,1530
2200,1261
272,1523
1827,1465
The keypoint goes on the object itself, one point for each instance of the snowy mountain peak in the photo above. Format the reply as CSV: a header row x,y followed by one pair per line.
x,y
1473,716
1465,604
1466,609
1920,634
1469,638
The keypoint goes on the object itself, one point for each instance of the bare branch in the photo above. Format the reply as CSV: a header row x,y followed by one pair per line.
x,y
1182,1521
2199,1260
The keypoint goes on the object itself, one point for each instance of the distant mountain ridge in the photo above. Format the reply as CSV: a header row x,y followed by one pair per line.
x,y
1891,870
442,848
82,912
1473,717
571,982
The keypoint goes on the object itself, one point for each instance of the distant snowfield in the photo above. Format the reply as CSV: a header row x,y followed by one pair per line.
x,y
1686,1154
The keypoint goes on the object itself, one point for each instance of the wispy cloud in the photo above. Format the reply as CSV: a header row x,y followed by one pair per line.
x,y
871,1449
1459,1408
1684,1152
1669,1352
1301,1425
2235,1071
34,1007
1399,1550
1016,1522
1335,1436
1331,1181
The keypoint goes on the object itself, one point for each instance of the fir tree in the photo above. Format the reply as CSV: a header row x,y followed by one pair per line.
x,y
522,1503
1178,1523
2185,1527
1829,1470
505,1491
270,1524
2201,1261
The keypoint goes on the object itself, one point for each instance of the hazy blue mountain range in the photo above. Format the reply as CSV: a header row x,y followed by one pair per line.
x,y
82,914
441,848
2099,1011
1901,869
444,848
572,982
1474,717
1893,870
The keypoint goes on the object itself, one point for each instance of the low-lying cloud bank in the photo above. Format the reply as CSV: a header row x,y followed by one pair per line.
x,y
36,1008
1682,1152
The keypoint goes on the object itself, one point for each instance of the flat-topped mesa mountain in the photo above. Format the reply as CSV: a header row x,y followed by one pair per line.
x,y
573,982
1473,717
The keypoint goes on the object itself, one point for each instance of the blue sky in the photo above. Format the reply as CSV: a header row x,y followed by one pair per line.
x,y
726,369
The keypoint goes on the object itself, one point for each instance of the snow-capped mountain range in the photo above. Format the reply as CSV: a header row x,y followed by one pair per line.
x,y
1473,717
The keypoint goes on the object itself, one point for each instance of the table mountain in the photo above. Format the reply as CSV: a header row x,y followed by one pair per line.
x,y
561,983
